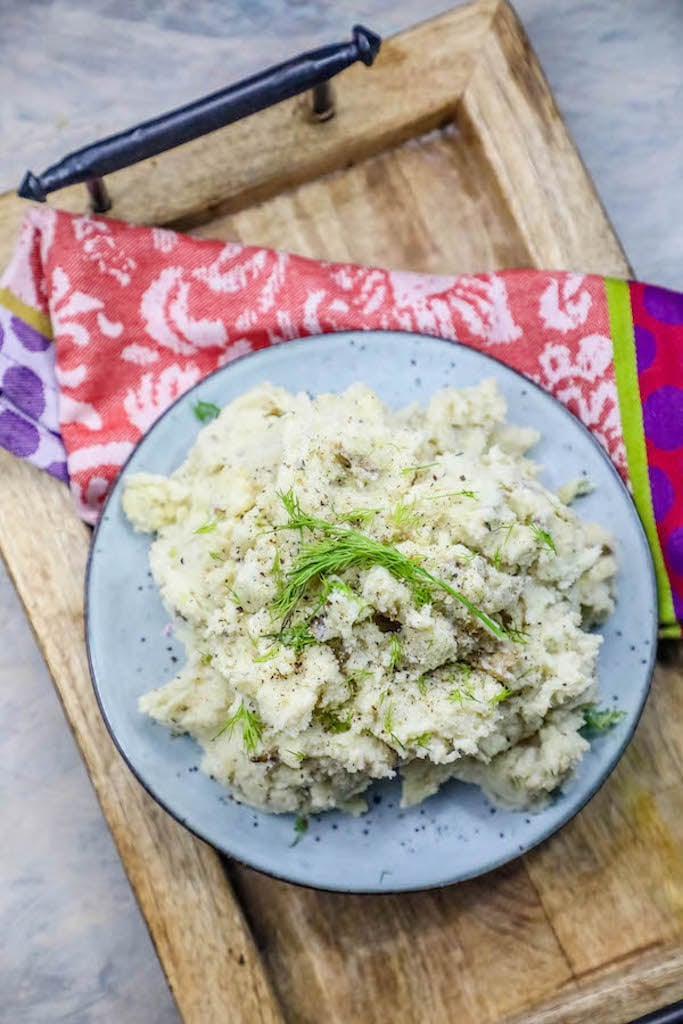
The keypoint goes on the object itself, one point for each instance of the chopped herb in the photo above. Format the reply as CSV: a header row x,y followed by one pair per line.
x,y
394,737
405,514
463,668
205,411
502,694
452,494
300,829
267,656
330,721
543,536
297,637
358,515
418,469
508,527
206,659
422,684
343,548
336,584
422,740
389,719
235,596
355,678
217,556
252,727
276,569
599,720
395,653
460,693
518,636
298,754
207,527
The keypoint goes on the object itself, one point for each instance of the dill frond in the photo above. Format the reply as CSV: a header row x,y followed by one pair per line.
x,y
276,569
598,720
395,653
251,724
344,548
359,515
460,693
404,515
543,536
417,469
297,637
502,695
330,721
451,494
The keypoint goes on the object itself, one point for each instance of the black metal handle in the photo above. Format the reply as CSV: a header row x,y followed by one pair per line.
x,y
672,1014
205,115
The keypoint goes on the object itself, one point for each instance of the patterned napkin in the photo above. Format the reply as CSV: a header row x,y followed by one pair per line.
x,y
103,324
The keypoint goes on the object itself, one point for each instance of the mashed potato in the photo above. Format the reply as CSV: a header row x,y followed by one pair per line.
x,y
364,592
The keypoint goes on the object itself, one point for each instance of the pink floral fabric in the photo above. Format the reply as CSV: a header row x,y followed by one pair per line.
x,y
139,315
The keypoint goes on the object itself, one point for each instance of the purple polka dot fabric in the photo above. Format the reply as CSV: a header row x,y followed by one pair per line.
x,y
29,408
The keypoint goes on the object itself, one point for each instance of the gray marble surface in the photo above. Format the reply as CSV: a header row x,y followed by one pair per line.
x,y
74,948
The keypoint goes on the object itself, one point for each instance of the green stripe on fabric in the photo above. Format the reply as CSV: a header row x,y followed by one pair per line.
x,y
39,321
623,341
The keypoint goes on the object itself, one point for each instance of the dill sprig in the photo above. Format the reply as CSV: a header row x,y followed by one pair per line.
x,y
344,548
598,720
389,726
252,727
451,494
330,721
358,515
422,740
543,536
418,469
276,569
395,653
405,514
297,637
502,695
235,597
458,695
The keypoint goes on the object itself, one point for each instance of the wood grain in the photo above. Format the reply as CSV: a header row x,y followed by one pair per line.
x,y
197,927
590,925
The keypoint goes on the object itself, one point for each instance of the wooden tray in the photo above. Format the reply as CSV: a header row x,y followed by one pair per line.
x,y
448,156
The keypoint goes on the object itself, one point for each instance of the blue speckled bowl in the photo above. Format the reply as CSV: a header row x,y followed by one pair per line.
x,y
455,834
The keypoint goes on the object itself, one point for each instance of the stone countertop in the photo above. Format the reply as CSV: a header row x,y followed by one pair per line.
x,y
75,946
